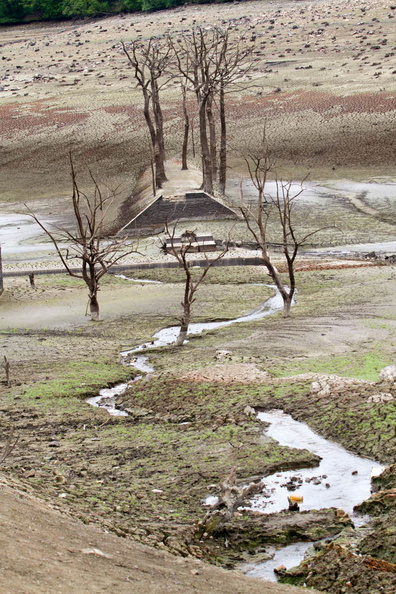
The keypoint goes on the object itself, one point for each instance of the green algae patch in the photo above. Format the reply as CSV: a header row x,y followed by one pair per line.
x,y
364,366
74,381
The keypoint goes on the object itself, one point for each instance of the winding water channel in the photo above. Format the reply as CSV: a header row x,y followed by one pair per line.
x,y
341,480
166,336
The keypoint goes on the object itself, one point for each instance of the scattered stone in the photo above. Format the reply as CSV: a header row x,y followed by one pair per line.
x,y
388,374
249,411
223,355
382,397
331,385
97,552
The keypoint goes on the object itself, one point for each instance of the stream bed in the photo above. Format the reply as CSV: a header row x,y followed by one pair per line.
x,y
167,336
341,480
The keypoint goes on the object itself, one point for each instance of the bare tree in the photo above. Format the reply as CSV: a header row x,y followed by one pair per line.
x,y
233,66
150,61
209,61
193,279
281,207
195,55
89,242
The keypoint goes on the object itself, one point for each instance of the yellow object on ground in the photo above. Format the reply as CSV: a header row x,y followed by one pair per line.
x,y
296,498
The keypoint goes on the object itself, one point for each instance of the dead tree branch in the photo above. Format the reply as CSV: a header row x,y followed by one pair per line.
x,y
6,366
88,242
9,446
192,281
230,498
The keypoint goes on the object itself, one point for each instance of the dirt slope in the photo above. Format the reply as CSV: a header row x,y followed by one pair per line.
x,y
323,80
51,553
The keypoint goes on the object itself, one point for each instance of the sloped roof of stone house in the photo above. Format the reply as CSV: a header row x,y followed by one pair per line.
x,y
179,200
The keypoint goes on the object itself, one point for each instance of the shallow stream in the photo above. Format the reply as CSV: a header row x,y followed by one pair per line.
x,y
341,480
107,397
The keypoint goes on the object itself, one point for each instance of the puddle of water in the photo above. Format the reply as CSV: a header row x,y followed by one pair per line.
x,y
169,335
137,280
107,397
343,481
289,556
381,248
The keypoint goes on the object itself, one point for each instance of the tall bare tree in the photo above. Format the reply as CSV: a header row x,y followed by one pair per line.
x,y
150,60
196,58
209,61
193,278
280,206
186,126
89,242
234,64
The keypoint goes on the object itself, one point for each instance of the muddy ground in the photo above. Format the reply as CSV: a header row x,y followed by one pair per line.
x,y
145,476
324,84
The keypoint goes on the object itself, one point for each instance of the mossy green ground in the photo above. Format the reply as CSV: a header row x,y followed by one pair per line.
x,y
147,474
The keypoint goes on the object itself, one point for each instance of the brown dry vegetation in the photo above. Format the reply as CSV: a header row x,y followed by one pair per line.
x,y
323,81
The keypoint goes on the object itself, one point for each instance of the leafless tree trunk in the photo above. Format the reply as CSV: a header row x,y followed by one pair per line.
x,y
223,143
89,242
212,135
192,137
7,371
186,128
192,282
149,61
207,169
281,206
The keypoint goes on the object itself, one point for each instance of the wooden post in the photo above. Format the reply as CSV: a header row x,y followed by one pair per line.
x,y
7,371
1,274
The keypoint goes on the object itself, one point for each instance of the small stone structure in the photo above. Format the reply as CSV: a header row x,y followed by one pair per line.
x,y
194,243
152,216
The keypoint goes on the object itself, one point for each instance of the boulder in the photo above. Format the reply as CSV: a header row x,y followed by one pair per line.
x,y
379,503
388,374
385,480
